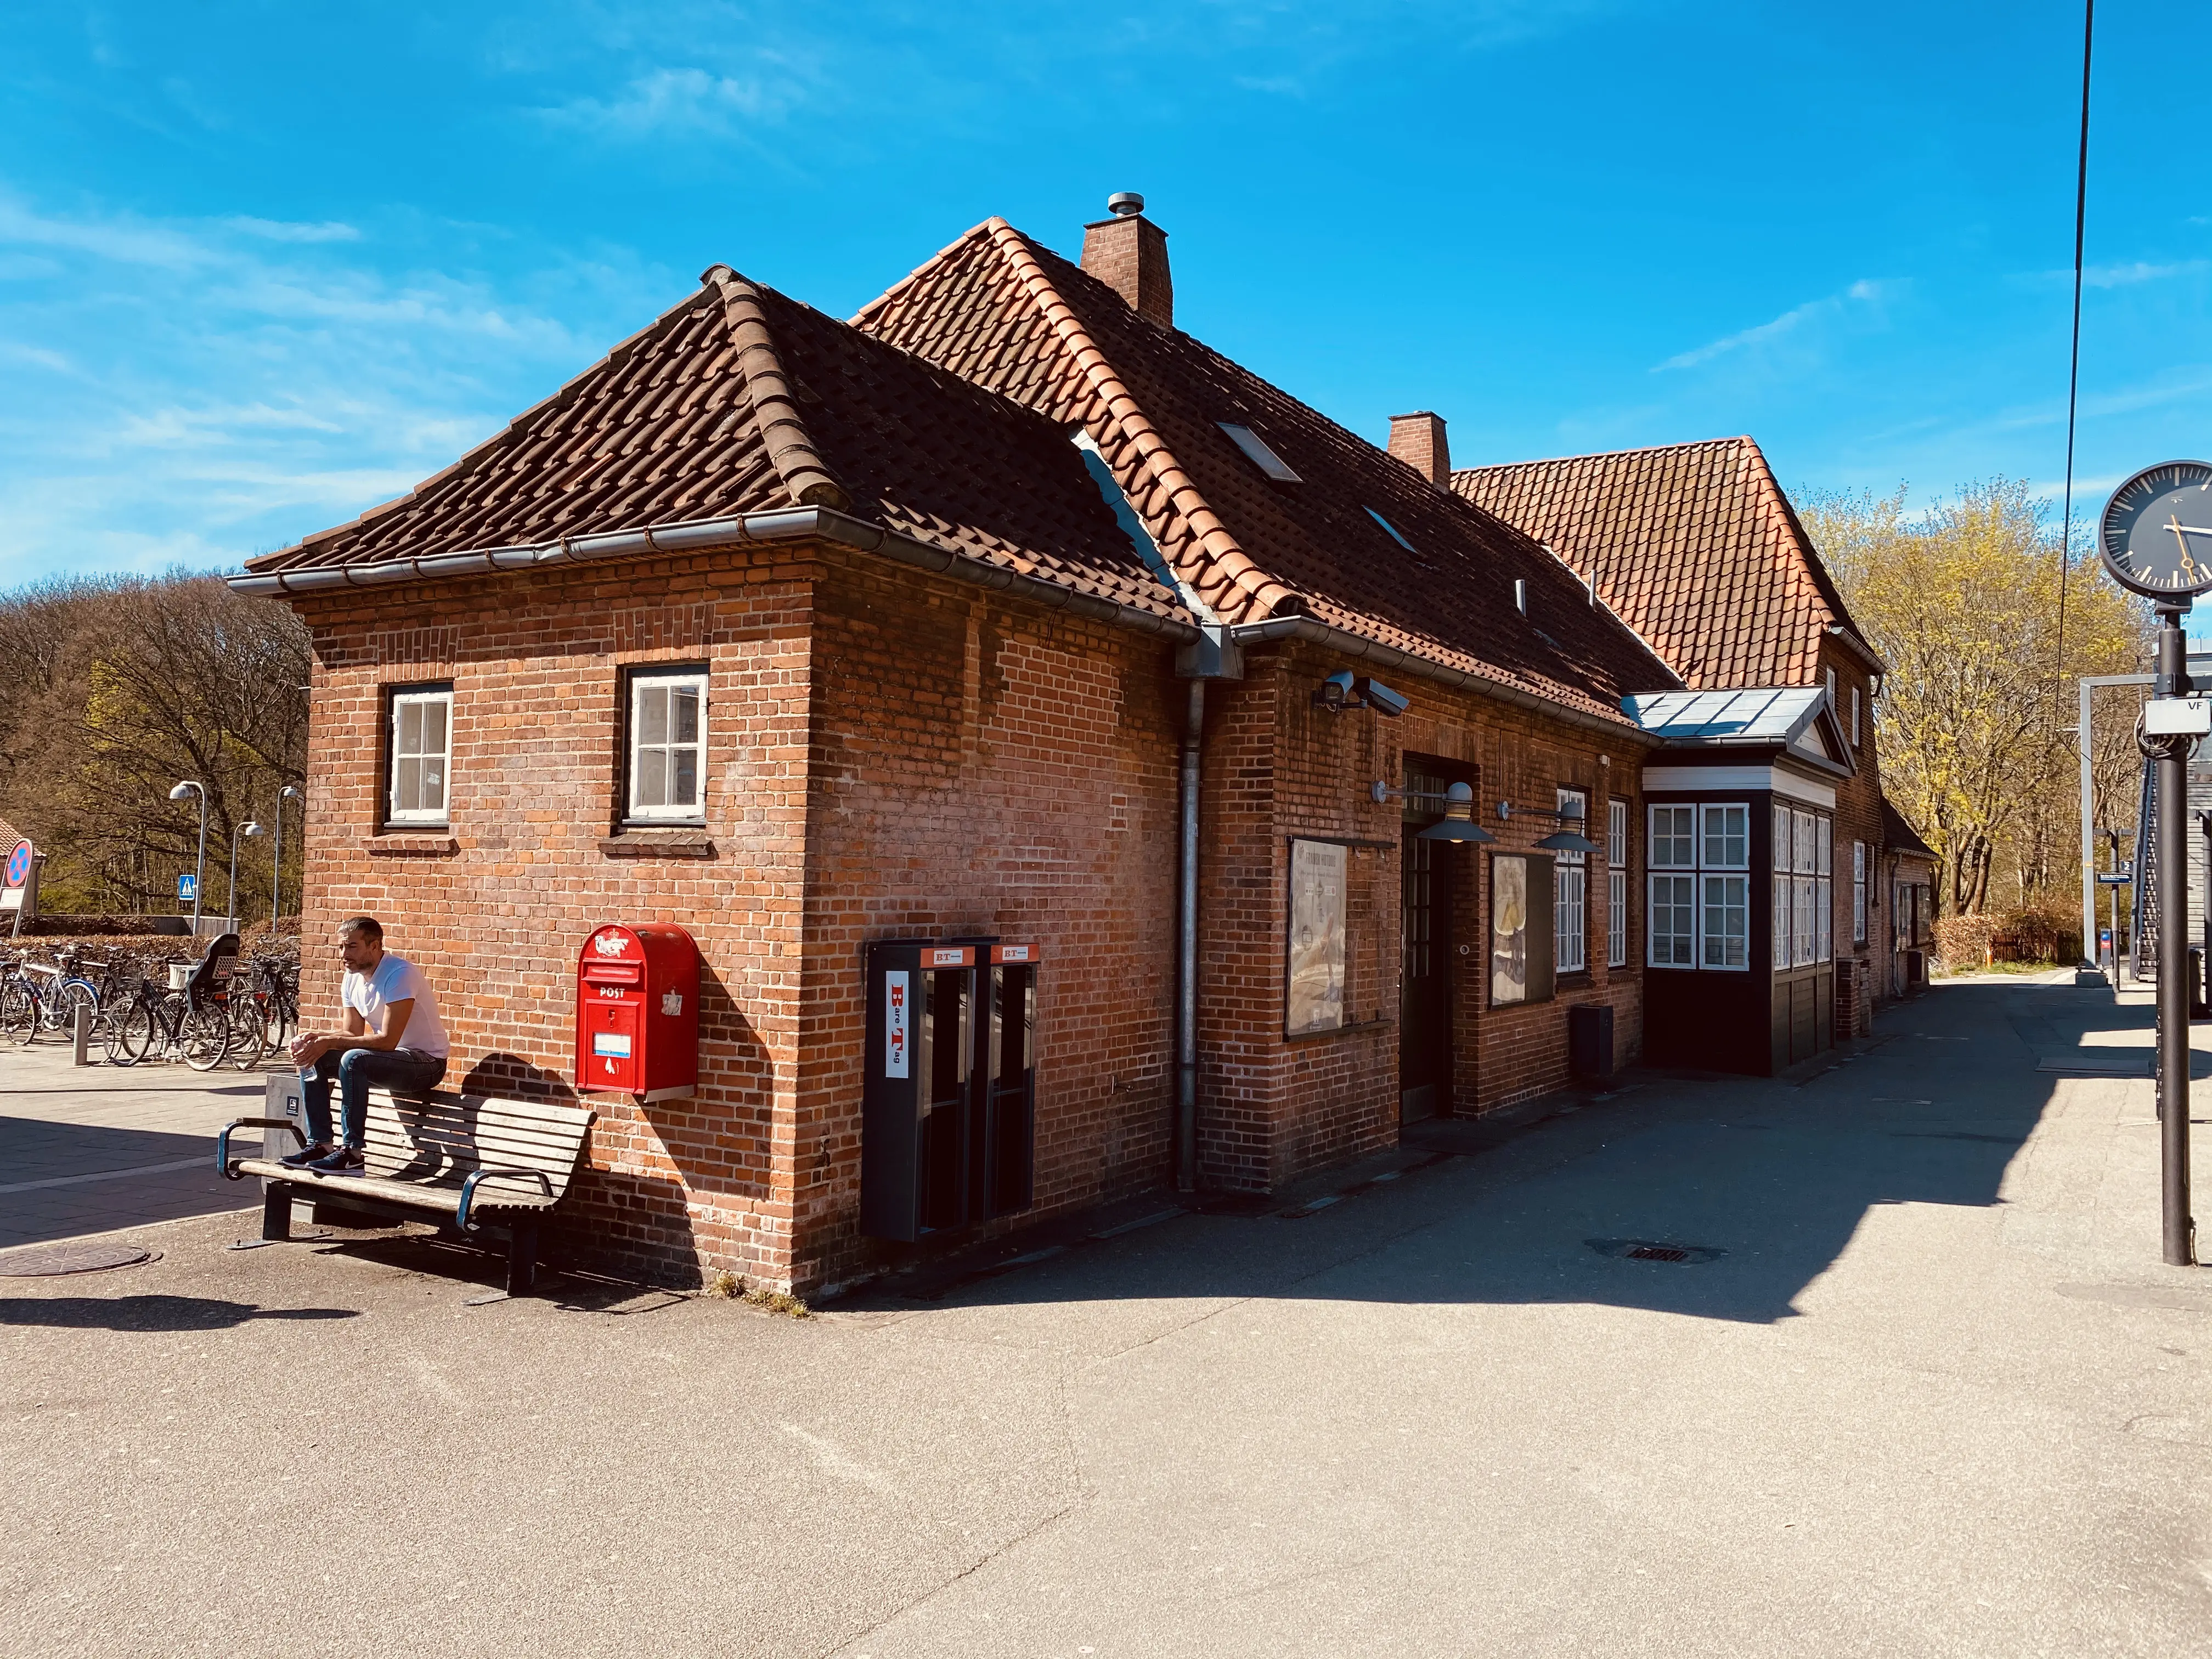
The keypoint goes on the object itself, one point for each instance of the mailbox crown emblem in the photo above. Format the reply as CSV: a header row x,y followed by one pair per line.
x,y
609,943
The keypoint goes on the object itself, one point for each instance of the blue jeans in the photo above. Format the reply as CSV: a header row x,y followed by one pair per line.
x,y
356,1070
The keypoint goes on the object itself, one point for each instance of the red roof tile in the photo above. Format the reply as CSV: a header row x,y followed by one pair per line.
x,y
740,400
1694,544
1002,311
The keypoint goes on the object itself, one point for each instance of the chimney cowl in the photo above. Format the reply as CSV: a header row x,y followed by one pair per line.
x,y
1125,203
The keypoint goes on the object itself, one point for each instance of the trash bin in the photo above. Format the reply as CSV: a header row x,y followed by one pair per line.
x,y
1589,1042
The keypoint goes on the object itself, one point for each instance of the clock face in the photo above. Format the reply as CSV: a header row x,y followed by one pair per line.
x,y
2157,532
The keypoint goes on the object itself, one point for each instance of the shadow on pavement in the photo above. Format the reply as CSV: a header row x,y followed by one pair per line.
x,y
1762,1183
149,1313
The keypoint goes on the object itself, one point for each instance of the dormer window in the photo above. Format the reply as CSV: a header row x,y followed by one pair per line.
x,y
1256,451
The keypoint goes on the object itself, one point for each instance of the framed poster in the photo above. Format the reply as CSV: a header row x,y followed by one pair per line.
x,y
1314,996
1521,943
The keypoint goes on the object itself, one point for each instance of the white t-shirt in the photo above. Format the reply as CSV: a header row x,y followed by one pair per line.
x,y
395,979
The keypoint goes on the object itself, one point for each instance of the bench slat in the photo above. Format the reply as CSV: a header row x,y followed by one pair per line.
x,y
441,1141
412,1193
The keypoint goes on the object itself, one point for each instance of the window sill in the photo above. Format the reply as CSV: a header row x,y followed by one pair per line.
x,y
410,843
1351,1030
658,843
1576,979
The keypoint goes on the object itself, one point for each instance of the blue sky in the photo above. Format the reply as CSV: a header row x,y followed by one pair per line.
x,y
263,265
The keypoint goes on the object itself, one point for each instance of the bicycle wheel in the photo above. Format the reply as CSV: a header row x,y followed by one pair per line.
x,y
245,1047
131,1032
77,993
19,1012
275,1021
204,1034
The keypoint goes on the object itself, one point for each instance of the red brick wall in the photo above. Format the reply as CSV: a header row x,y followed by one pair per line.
x,y
496,922
888,756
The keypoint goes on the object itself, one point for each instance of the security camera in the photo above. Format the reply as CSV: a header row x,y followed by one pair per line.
x,y
1380,697
1335,693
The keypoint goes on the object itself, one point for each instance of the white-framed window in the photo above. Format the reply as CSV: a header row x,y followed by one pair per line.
x,y
668,769
1616,884
1855,717
1571,890
1674,838
419,785
1725,926
1824,890
1672,919
1831,688
1707,919
1858,892
1785,886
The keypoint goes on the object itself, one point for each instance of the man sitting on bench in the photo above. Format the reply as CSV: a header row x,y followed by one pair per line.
x,y
392,1037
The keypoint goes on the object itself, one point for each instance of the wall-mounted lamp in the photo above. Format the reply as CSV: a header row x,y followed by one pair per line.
x,y
1344,690
1458,822
1566,839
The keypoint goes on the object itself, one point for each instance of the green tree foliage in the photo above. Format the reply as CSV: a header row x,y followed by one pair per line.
x,y
112,689
1976,713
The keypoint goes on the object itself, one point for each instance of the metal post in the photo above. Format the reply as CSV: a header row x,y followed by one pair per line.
x,y
2089,846
2178,1230
2113,904
81,1020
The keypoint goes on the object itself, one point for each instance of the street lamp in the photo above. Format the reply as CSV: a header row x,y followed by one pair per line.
x,y
191,787
277,867
249,829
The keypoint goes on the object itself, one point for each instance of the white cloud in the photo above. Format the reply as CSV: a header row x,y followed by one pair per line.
x,y
281,230
1863,292
205,389
2129,274
683,100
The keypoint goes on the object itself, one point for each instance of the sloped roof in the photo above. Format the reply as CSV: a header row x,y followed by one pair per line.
x,y
1793,717
1694,544
1003,311
1900,836
740,400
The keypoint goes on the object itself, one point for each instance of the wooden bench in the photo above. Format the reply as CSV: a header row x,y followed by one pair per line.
x,y
469,1160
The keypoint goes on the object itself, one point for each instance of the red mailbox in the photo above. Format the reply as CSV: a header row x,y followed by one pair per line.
x,y
637,1012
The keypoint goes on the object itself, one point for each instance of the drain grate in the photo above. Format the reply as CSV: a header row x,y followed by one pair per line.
x,y
1654,1249
52,1260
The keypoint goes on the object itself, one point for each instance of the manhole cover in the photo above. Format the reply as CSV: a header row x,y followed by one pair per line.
x,y
1652,1250
51,1261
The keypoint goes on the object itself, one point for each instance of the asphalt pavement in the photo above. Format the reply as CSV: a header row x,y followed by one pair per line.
x,y
1897,1371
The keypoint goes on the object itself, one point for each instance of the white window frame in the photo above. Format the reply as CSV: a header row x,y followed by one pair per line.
x,y
1781,920
1616,883
642,683
418,700
1858,892
1570,892
1697,859
1855,717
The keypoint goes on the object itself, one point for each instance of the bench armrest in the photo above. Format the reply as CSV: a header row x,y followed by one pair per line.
x,y
469,1189
222,1158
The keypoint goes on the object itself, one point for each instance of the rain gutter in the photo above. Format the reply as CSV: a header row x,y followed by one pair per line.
x,y
1420,668
818,524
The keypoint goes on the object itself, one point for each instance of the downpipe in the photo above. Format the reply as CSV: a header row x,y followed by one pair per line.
x,y
1185,1121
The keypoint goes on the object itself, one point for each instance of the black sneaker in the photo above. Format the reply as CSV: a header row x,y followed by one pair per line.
x,y
347,1160
305,1156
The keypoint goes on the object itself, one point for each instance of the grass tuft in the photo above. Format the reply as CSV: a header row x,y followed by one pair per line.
x,y
732,1287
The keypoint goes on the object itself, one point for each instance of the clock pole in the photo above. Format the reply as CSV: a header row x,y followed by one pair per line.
x,y
2173,830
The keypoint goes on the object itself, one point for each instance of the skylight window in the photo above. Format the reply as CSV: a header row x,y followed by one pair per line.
x,y
1256,451
1391,529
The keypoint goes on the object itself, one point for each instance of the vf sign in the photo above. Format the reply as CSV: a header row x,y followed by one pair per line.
x,y
187,887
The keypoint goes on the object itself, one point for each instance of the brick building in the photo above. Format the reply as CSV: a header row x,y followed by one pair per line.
x,y
1697,548
1006,612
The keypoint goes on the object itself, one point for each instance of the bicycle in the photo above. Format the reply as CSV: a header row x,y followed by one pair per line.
x,y
267,1013
72,989
158,1019
22,1002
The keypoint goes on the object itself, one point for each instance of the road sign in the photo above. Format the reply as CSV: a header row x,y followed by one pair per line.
x,y
19,864
2107,879
186,886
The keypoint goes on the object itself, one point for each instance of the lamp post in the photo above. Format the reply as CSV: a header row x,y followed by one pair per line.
x,y
248,829
277,867
192,787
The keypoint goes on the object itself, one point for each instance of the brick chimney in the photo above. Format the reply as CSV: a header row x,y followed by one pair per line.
x,y
1418,440
1129,253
